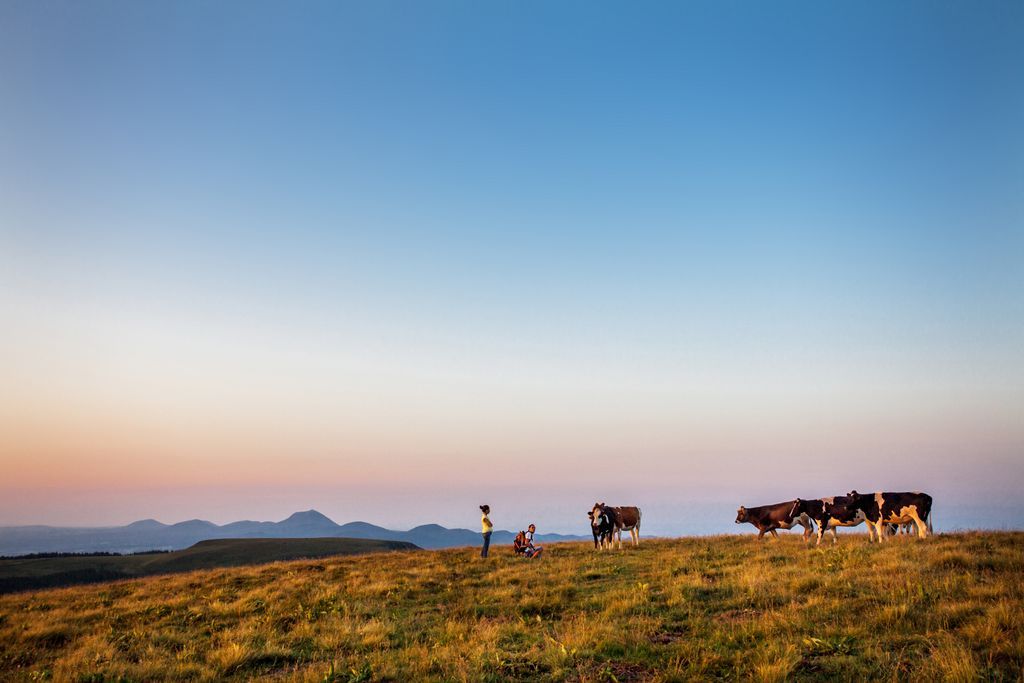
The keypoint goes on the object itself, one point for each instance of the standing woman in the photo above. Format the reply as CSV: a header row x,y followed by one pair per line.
x,y
486,527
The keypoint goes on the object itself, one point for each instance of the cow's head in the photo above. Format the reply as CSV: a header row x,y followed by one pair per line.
x,y
596,513
840,507
799,507
858,500
741,515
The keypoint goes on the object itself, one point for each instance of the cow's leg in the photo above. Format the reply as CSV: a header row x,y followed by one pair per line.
x,y
880,530
760,533
636,535
835,536
922,532
775,534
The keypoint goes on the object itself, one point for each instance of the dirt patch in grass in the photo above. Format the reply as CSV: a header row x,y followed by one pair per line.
x,y
738,615
670,635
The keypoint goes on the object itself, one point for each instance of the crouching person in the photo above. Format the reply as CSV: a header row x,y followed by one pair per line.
x,y
523,543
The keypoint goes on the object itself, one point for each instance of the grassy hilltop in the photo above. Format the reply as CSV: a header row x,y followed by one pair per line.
x,y
951,607
46,572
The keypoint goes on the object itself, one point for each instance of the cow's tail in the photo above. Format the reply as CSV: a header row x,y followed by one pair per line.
x,y
928,522
639,515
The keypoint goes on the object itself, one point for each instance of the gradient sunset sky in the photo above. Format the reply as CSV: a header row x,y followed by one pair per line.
x,y
395,259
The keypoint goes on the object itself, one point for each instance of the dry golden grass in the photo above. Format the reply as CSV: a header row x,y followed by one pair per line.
x,y
948,608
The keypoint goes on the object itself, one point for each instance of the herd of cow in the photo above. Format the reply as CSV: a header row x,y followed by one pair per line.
x,y
883,513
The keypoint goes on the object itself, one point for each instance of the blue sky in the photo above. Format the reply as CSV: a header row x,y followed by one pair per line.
x,y
411,246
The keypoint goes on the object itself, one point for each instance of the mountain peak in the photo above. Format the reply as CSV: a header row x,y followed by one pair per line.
x,y
201,524
309,517
146,524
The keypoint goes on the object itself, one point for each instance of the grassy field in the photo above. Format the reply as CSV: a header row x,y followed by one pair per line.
x,y
45,572
948,608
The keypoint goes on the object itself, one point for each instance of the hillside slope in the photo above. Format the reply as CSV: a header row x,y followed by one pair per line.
x,y
729,607
30,573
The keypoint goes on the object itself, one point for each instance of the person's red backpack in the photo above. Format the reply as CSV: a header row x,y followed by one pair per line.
x,y
519,544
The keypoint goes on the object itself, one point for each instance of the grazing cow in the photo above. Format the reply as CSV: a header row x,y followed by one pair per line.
x,y
601,526
768,518
621,518
816,510
886,507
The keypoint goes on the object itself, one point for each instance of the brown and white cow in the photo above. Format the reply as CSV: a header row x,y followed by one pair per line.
x,y
817,509
768,518
620,518
887,507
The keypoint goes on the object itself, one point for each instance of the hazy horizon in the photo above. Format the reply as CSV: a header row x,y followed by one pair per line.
x,y
666,519
391,261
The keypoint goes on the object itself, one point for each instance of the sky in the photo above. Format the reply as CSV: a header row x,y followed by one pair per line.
x,y
392,260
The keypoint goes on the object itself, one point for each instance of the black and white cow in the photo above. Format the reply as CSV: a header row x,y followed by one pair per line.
x,y
768,518
621,519
886,507
601,527
816,510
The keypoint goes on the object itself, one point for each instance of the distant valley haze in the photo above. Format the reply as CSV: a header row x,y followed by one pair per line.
x,y
149,534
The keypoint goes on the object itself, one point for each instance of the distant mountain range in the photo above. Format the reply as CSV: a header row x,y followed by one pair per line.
x,y
149,534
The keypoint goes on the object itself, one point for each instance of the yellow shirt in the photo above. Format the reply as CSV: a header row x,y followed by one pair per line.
x,y
485,524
